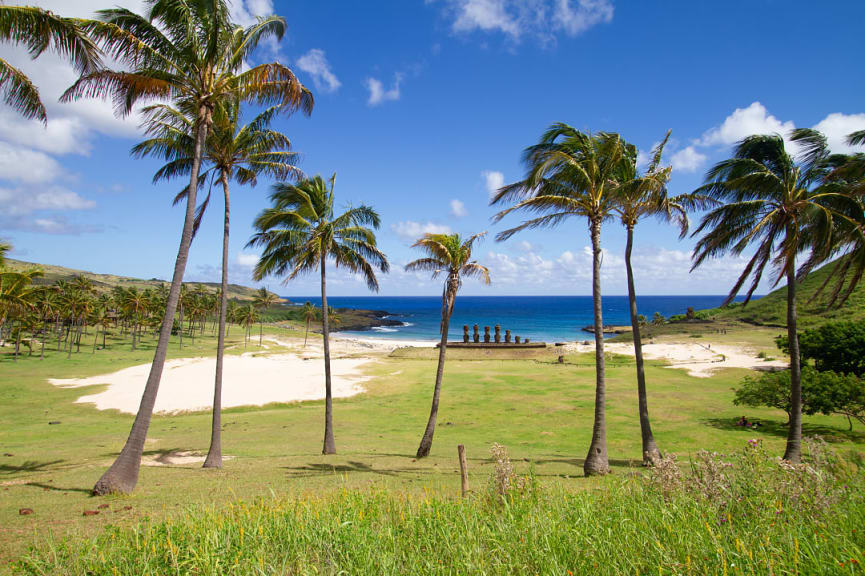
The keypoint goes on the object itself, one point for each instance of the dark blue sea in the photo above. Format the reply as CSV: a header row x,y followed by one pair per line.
x,y
540,318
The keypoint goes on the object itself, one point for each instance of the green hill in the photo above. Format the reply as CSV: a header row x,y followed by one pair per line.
x,y
105,282
771,310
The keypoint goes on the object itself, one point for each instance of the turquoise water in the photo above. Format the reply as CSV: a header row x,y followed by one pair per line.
x,y
540,318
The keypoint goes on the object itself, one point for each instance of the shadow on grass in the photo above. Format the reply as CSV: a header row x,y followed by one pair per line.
x,y
29,466
579,462
324,469
779,429
44,486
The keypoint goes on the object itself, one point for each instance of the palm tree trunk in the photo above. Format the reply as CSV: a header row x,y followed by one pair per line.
x,y
793,452
17,341
329,444
180,326
95,340
650,449
214,455
260,332
426,441
306,335
122,476
69,340
596,460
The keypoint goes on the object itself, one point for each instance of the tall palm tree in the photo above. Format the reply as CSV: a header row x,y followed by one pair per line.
x,y
309,314
263,300
189,53
40,30
642,195
448,254
573,173
299,233
767,199
235,152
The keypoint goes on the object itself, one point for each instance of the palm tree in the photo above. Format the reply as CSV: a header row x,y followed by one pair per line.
x,y
247,316
233,152
334,318
188,53
40,30
16,300
572,173
263,300
448,254
309,314
767,199
643,195
299,233
4,249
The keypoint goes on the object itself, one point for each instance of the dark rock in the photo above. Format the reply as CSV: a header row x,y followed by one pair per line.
x,y
54,422
103,506
90,512
25,511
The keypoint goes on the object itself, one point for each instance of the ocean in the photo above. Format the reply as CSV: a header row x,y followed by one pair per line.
x,y
539,318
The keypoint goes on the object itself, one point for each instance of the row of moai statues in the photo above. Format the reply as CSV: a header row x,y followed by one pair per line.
x,y
497,337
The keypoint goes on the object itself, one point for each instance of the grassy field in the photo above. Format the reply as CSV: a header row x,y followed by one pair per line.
x,y
539,409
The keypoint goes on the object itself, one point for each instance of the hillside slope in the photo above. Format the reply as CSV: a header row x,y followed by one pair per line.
x,y
105,282
771,310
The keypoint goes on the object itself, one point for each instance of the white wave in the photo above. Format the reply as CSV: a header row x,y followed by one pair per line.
x,y
406,324
383,329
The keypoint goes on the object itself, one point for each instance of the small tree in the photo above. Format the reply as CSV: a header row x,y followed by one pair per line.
x,y
836,346
658,319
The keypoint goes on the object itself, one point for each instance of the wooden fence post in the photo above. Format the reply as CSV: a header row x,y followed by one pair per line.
x,y
464,472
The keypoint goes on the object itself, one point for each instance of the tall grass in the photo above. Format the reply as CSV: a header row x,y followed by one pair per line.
x,y
744,513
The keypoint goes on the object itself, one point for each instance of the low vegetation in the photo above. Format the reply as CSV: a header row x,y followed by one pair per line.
x,y
739,513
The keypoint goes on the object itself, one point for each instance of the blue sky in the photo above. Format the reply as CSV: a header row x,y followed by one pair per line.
x,y
423,107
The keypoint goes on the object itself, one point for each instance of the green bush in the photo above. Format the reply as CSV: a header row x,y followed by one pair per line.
x,y
837,346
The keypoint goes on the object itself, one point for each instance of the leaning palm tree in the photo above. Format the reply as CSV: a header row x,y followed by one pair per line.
x,y
309,314
768,199
5,248
573,173
233,152
40,30
299,233
642,195
189,53
448,254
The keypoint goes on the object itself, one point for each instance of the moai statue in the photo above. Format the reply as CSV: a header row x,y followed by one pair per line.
x,y
498,336
475,335
487,334
507,336
526,341
517,339
466,333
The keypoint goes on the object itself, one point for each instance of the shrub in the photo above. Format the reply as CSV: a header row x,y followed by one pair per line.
x,y
836,347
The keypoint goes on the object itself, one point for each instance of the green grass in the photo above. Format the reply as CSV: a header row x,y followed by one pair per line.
x,y
539,409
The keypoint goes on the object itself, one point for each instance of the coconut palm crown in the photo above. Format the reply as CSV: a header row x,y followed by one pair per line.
x,y
40,30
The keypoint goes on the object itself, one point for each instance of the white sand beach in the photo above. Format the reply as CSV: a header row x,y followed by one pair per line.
x,y
700,360
251,379
258,378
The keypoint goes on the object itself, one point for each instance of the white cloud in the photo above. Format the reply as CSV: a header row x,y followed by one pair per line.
x,y
410,231
837,127
485,15
377,92
743,122
246,260
316,65
22,201
586,14
458,209
246,13
27,166
518,18
687,160
493,180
